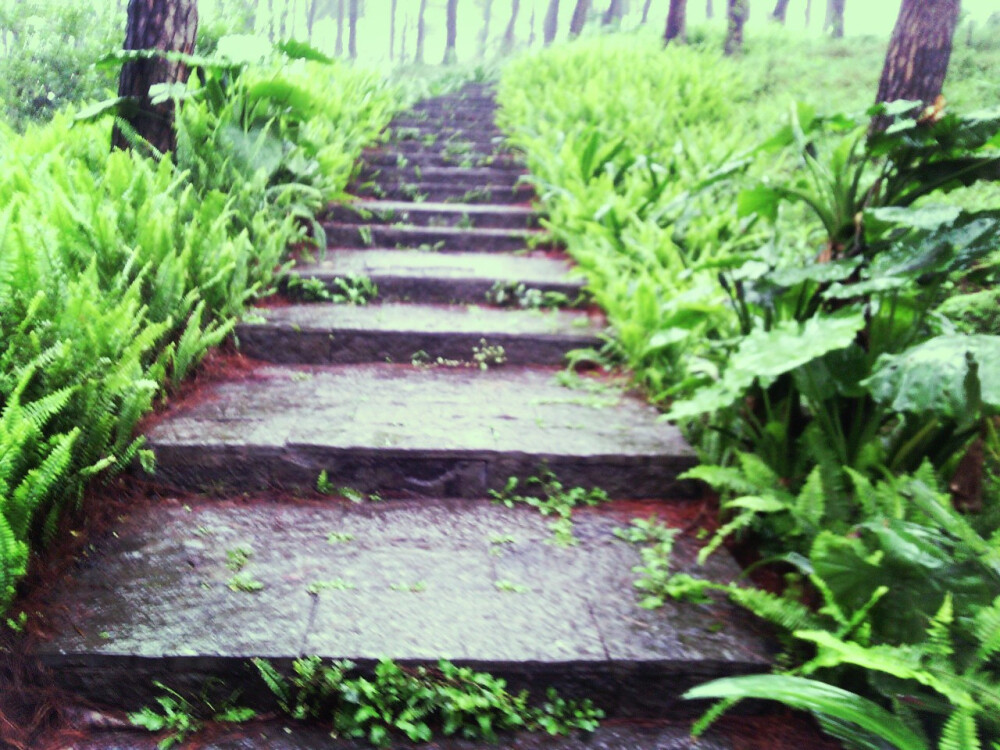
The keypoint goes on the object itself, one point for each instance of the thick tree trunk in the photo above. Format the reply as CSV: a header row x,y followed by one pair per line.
x,y
614,13
392,30
645,12
164,25
451,27
484,36
352,29
676,22
421,32
551,25
834,22
736,16
780,10
579,18
339,46
919,50
508,34
709,12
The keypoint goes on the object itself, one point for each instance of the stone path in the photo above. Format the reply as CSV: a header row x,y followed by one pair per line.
x,y
429,397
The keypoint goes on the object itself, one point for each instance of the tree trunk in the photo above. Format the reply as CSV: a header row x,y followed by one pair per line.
x,y
834,22
508,34
339,48
451,27
709,13
676,22
780,10
614,13
270,20
809,9
421,32
352,29
551,25
531,23
645,12
311,12
579,18
392,29
484,36
736,15
164,25
919,50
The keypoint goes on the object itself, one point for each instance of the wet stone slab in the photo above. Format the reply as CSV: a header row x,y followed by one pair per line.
x,y
433,431
340,334
183,593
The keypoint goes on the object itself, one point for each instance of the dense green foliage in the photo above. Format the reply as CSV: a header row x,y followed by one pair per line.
x,y
811,304
118,272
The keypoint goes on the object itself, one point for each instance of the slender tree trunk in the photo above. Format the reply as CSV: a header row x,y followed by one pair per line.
x,y
283,29
451,28
402,42
613,14
421,32
919,50
780,9
579,18
484,36
809,10
550,27
676,22
155,24
834,22
531,23
339,48
709,12
508,34
270,20
645,12
352,29
736,16
311,12
392,30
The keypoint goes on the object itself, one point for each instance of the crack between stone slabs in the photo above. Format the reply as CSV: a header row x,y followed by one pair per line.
x,y
600,631
310,623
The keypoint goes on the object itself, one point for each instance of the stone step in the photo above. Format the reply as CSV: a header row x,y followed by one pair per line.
x,y
426,214
450,176
451,102
410,128
411,581
455,146
449,115
420,431
392,332
406,275
433,238
390,157
445,193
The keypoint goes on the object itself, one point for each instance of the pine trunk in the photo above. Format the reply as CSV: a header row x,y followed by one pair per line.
x,y
614,13
736,15
579,17
452,32
917,60
551,25
508,34
645,12
392,30
352,29
484,37
421,32
164,25
709,12
676,22
339,47
780,11
835,18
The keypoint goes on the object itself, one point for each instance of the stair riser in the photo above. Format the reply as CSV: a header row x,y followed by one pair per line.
x,y
391,158
470,474
440,193
453,103
452,177
351,236
480,219
341,347
623,690
446,131
455,146
447,291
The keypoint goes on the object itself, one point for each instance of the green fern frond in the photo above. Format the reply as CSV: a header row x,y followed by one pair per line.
x,y
959,732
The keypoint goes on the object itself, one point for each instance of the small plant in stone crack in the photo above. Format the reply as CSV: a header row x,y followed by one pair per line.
x,y
472,196
237,559
655,581
514,294
510,587
308,289
488,355
333,584
339,537
352,289
365,233
465,222
180,718
323,484
357,496
550,497
417,587
417,702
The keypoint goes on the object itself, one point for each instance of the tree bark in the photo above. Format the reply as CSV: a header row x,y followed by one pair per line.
x,y
809,8
508,34
311,17
352,29
339,47
614,13
779,12
164,25
421,33
531,23
736,15
645,12
709,13
451,25
550,27
919,50
834,22
484,36
579,18
676,22
392,30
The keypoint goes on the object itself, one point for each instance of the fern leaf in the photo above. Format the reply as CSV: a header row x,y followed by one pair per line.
x,y
960,733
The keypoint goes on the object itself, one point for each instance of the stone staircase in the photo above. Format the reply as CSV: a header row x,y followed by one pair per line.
x,y
415,406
